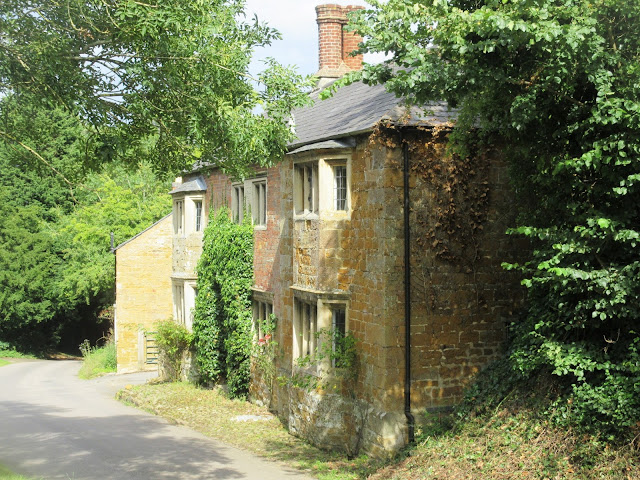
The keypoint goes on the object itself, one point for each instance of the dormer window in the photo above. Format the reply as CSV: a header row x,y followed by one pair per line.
x,y
188,207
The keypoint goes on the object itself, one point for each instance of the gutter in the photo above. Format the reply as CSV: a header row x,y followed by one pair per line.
x,y
411,421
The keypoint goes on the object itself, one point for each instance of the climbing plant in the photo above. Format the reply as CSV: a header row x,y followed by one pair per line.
x,y
449,218
222,319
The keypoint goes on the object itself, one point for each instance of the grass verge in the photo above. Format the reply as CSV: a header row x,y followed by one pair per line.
x,y
6,474
213,414
6,351
98,361
511,438
3,362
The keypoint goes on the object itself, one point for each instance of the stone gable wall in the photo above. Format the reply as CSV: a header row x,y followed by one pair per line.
x,y
143,292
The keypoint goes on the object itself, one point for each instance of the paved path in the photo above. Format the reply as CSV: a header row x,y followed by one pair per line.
x,y
56,426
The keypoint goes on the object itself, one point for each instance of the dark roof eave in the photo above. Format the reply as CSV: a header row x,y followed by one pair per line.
x,y
395,123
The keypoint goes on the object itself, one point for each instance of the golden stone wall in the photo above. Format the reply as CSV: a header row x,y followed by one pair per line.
x,y
143,291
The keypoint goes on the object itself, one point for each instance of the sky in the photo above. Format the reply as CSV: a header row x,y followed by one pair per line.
x,y
296,21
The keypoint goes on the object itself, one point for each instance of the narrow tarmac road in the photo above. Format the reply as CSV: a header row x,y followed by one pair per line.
x,y
56,426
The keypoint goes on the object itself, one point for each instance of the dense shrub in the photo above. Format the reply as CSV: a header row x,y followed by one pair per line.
x,y
173,340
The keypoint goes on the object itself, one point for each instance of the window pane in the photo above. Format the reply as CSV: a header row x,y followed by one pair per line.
x,y
339,321
339,330
263,204
259,203
340,187
198,221
238,203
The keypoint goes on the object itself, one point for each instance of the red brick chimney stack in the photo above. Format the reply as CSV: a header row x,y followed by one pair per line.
x,y
335,44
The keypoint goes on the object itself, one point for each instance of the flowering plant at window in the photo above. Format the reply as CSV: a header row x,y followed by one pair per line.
x,y
264,341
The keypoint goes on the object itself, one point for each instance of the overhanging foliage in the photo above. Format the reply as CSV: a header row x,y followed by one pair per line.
x,y
176,69
557,82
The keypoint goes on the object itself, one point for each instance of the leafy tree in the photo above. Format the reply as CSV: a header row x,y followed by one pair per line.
x,y
28,266
121,202
56,268
176,69
557,83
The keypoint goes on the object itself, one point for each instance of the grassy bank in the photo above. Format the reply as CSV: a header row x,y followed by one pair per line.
x,y
512,444
98,361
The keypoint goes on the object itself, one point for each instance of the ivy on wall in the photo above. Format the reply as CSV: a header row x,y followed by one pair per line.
x,y
222,319
449,220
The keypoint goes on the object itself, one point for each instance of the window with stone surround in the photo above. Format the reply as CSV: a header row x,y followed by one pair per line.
x,y
261,312
322,188
250,196
184,301
238,203
188,214
305,327
305,184
259,202
178,303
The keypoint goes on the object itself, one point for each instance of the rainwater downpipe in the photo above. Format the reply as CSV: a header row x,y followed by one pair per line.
x,y
411,421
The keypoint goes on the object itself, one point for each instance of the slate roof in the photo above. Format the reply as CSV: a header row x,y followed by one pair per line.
x,y
355,109
194,185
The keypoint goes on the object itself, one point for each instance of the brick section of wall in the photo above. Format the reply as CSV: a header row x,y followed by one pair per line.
x,y
266,240
143,290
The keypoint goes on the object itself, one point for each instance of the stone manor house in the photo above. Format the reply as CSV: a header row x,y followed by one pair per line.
x,y
366,226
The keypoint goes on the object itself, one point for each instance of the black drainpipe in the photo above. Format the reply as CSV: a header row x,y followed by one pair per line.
x,y
411,421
